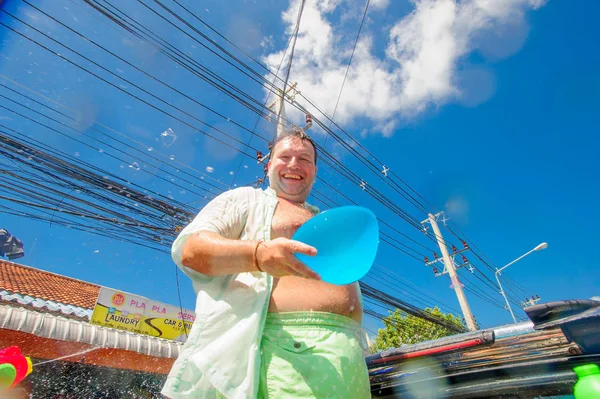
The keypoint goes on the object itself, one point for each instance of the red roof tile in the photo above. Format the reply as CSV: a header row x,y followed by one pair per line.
x,y
37,283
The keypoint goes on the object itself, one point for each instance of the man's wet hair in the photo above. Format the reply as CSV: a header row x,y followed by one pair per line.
x,y
294,132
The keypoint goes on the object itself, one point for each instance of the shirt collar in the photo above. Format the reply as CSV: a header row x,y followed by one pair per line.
x,y
270,192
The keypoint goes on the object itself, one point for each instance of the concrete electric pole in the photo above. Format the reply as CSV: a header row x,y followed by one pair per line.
x,y
449,267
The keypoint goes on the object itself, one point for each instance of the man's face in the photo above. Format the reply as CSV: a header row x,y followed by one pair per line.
x,y
292,169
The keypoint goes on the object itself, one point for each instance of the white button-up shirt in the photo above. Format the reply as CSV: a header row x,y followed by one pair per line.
x,y
222,352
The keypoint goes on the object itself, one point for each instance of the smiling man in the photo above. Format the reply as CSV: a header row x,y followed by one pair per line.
x,y
266,325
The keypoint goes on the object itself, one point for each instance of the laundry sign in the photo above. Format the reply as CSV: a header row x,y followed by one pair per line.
x,y
140,315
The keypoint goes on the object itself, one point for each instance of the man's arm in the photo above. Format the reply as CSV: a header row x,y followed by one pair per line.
x,y
213,255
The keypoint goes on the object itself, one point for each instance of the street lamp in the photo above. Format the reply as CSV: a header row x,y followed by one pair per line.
x,y
541,246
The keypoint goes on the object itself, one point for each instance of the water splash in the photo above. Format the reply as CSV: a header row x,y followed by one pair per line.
x,y
67,356
168,137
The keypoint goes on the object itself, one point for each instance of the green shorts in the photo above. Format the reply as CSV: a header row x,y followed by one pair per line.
x,y
312,355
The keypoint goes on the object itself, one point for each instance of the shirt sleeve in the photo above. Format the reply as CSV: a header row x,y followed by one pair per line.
x,y
225,215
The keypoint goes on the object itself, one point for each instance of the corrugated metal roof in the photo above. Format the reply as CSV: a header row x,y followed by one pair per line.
x,y
40,284
64,329
49,305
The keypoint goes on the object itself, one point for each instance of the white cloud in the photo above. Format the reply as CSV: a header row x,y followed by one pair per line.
x,y
421,67
379,4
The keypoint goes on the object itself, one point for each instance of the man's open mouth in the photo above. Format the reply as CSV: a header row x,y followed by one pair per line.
x,y
292,176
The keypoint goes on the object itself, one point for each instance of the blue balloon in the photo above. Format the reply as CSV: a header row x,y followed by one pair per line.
x,y
346,240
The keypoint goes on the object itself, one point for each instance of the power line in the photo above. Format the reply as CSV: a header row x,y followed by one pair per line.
x,y
350,62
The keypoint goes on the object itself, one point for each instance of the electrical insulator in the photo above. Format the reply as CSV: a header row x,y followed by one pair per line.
x,y
537,296
259,155
308,119
435,255
426,259
465,261
453,248
266,168
435,271
464,243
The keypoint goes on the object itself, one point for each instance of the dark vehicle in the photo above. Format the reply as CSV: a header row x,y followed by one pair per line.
x,y
532,359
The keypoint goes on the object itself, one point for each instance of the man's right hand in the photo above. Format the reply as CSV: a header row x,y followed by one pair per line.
x,y
277,258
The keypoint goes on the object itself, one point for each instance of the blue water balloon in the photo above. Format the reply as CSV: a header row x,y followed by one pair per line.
x,y
346,240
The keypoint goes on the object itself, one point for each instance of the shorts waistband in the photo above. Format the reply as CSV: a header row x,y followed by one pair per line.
x,y
311,319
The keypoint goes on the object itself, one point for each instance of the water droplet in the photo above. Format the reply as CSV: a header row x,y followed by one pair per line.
x,y
135,166
168,137
77,154
150,148
210,169
100,150
172,157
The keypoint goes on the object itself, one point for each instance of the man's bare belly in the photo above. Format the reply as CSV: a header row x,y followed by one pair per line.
x,y
291,293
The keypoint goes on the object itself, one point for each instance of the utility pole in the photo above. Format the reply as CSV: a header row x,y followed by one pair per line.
x,y
449,266
279,103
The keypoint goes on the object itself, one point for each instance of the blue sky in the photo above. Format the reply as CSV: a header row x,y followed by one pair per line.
x,y
491,117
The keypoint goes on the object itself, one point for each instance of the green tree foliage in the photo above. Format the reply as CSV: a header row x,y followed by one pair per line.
x,y
404,329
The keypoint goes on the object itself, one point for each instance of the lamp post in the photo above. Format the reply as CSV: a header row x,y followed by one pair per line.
x,y
498,272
